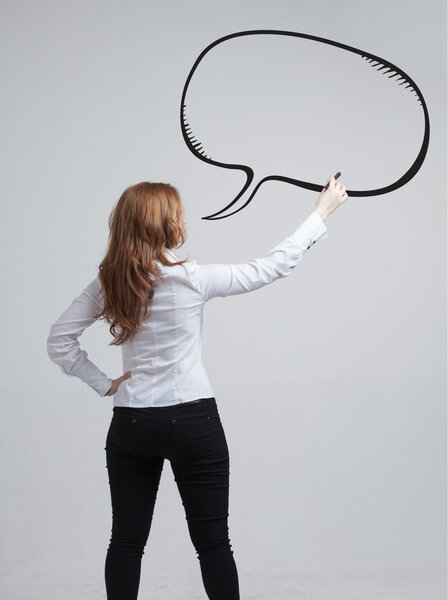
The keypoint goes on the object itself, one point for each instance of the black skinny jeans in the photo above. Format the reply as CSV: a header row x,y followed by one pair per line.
x,y
191,437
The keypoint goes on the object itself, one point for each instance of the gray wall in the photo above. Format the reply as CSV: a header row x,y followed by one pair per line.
x,y
331,384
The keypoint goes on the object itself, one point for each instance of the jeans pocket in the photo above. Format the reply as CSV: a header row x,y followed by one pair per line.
x,y
122,433
201,436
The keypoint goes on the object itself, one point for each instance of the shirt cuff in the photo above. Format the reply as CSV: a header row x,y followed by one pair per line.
x,y
94,377
310,231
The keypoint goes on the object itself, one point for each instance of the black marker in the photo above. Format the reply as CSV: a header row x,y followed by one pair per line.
x,y
338,174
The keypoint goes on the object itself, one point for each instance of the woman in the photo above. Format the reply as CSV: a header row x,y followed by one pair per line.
x,y
164,404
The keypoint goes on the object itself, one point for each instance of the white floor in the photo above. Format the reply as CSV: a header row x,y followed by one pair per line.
x,y
369,584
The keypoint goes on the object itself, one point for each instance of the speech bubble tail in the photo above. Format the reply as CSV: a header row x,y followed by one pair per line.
x,y
237,200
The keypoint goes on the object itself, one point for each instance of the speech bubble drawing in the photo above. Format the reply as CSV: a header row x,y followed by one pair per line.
x,y
331,72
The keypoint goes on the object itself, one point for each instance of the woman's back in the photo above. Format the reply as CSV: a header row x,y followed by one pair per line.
x,y
165,354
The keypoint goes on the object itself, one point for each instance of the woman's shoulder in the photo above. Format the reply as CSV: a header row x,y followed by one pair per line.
x,y
173,257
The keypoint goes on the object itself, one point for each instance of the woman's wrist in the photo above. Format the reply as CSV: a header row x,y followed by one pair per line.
x,y
321,214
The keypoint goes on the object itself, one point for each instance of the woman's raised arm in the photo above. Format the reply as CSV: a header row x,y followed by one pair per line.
x,y
222,279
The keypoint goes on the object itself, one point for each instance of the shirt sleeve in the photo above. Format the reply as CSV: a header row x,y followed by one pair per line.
x,y
62,343
229,279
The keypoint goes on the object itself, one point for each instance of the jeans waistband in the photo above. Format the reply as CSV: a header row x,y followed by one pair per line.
x,y
169,408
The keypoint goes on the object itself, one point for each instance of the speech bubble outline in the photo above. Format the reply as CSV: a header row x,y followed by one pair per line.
x,y
195,146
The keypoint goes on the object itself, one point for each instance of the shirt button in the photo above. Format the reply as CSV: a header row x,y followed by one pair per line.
x,y
134,420
173,420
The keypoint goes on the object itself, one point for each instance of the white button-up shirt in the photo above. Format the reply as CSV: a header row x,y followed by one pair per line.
x,y
165,355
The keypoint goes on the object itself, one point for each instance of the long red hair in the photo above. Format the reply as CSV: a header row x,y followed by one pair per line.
x,y
147,219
